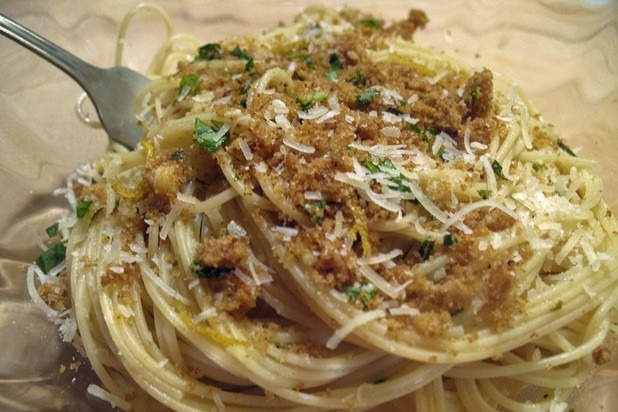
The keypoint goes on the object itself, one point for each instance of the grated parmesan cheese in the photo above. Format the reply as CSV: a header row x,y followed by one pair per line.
x,y
348,327
291,143
286,232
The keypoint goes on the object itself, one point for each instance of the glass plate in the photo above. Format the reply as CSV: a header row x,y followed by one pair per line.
x,y
564,54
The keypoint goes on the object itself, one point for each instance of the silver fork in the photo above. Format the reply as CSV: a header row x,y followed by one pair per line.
x,y
112,90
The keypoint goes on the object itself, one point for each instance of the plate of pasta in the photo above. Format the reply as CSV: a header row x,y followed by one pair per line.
x,y
352,207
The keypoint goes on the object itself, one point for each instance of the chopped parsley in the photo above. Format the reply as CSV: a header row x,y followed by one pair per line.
x,y
52,257
400,183
537,166
243,54
335,62
306,101
497,168
240,53
52,230
243,91
364,293
426,134
357,79
371,23
209,272
373,168
367,96
449,239
566,148
82,208
206,136
474,94
484,193
316,210
441,153
250,65
210,51
188,84
331,75
558,306
426,248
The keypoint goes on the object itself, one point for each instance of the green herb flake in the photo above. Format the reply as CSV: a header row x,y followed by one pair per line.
x,y
474,94
497,168
400,183
209,272
306,101
204,135
320,96
335,62
371,23
363,293
426,248
367,96
335,65
373,168
210,51
352,291
52,230
189,84
566,148
240,53
331,75
387,164
441,153
82,208
426,134
52,257
537,167
243,54
449,239
357,79
250,65
484,193
316,210
558,306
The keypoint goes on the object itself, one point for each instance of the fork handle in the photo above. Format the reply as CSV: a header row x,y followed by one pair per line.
x,y
82,72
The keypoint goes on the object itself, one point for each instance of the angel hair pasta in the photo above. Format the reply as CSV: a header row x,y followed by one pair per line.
x,y
330,216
